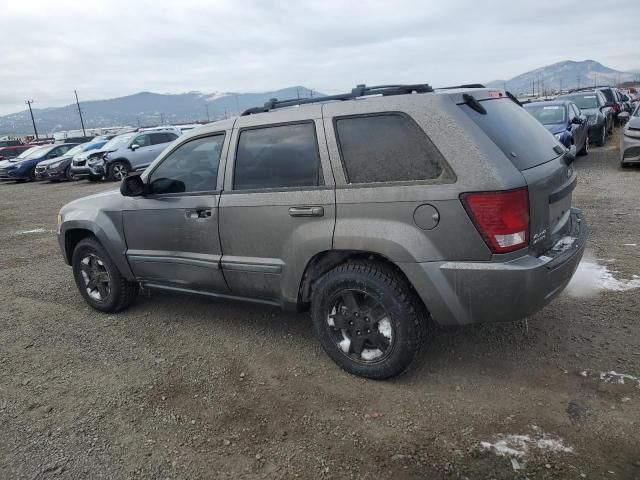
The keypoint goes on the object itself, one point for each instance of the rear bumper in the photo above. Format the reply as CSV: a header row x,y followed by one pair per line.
x,y
459,293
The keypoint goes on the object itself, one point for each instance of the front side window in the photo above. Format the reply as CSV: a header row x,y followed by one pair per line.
x,y
192,167
386,148
283,156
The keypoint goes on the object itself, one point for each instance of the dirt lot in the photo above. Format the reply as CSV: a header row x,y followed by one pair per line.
x,y
181,387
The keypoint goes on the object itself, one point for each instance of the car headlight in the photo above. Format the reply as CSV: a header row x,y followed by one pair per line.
x,y
94,160
55,165
592,120
558,135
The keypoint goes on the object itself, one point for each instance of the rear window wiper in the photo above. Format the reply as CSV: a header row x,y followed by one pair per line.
x,y
474,104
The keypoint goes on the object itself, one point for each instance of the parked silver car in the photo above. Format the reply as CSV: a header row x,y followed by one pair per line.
x,y
124,153
630,140
379,209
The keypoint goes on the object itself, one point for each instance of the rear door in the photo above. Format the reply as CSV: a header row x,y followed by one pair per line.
x,y
540,159
172,233
278,206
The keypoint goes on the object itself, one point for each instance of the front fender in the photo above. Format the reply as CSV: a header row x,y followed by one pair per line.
x,y
107,228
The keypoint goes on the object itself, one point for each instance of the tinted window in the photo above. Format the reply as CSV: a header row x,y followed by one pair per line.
x,y
608,94
386,148
520,137
277,157
157,138
192,167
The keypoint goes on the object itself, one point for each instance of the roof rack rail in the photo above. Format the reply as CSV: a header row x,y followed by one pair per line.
x,y
358,91
466,85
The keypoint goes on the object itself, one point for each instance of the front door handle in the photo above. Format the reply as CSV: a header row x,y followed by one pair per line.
x,y
306,211
198,213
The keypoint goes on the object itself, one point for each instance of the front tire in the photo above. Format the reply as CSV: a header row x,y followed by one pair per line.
x,y
100,282
68,175
368,319
118,170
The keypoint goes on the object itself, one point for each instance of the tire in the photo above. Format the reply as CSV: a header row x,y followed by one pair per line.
x,y
118,170
111,292
348,295
68,175
585,148
602,137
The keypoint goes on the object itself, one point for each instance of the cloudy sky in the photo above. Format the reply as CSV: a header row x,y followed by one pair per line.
x,y
109,48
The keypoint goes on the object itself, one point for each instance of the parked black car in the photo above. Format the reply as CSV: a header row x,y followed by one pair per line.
x,y
599,113
564,120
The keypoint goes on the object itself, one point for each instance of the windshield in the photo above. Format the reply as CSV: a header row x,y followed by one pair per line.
x,y
547,114
29,153
77,149
118,142
584,101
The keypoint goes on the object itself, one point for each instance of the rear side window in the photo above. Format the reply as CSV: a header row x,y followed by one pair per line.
x,y
386,148
608,94
520,137
282,156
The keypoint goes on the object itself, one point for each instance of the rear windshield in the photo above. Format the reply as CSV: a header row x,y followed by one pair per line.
x,y
584,100
547,114
520,137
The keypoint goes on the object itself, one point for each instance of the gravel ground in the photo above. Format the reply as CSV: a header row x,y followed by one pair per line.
x,y
182,387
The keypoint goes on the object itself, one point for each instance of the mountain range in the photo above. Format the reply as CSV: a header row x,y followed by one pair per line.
x,y
563,76
144,109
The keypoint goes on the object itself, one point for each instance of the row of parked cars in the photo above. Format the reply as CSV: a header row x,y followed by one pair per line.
x,y
111,157
585,116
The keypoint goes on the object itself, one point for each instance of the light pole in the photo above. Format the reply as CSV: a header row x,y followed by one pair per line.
x,y
84,134
29,102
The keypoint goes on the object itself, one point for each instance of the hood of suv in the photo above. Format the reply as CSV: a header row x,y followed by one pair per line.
x,y
109,200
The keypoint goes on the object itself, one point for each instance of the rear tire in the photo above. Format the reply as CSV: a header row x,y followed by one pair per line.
x,y
368,319
602,137
118,170
98,279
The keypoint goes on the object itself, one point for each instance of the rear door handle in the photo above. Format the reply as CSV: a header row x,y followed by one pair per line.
x,y
198,213
306,211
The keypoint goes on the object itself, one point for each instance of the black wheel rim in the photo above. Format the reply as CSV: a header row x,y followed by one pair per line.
x,y
97,282
360,327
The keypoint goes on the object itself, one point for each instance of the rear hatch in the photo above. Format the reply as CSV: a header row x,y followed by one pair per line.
x,y
536,153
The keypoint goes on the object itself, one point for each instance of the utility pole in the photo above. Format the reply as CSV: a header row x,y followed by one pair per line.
x,y
561,86
578,82
206,105
29,102
161,119
298,93
84,134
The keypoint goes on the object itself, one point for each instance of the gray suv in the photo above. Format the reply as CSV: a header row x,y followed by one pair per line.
x,y
124,153
379,209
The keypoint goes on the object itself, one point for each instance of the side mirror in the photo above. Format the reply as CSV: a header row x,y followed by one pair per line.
x,y
623,117
134,147
52,155
576,121
133,186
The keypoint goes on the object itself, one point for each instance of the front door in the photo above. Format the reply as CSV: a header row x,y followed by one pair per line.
x,y
278,206
172,233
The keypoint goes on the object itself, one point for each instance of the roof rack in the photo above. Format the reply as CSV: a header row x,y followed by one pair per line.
x,y
467,85
358,91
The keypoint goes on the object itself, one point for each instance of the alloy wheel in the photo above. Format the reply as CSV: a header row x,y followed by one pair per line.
x,y
119,171
360,326
96,277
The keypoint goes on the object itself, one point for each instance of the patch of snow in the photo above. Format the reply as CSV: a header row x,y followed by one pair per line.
x,y
216,96
619,378
630,244
35,230
591,278
564,244
384,327
518,446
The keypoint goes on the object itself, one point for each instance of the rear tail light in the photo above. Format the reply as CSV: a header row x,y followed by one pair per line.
x,y
502,218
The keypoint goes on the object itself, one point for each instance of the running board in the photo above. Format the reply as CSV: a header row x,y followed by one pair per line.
x,y
222,296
